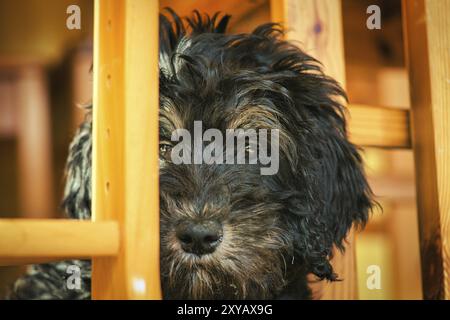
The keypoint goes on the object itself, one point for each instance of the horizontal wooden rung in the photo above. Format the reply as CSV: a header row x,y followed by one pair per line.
x,y
24,241
371,126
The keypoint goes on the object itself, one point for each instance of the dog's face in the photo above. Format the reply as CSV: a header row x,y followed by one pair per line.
x,y
224,229
227,230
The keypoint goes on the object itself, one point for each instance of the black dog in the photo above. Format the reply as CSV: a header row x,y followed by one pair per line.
x,y
226,230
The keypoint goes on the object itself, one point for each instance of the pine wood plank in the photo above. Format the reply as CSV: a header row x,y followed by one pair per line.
x,y
426,26
25,241
125,159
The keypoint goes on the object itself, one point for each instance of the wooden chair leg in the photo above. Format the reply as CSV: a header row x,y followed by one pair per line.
x,y
426,26
125,151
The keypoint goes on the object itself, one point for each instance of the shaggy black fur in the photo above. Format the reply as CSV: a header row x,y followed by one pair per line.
x,y
276,229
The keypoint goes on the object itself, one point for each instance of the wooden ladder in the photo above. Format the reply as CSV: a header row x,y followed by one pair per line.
x,y
123,236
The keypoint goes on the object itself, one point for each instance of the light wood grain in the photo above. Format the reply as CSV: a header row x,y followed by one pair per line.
x,y
30,240
125,155
373,126
317,26
428,55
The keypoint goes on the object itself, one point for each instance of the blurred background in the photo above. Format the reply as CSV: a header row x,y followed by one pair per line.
x,y
45,78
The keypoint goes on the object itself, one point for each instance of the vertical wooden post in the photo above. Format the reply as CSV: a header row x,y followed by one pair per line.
x,y
317,26
34,143
125,154
426,27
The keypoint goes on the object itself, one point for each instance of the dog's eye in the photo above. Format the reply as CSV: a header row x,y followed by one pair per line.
x,y
165,150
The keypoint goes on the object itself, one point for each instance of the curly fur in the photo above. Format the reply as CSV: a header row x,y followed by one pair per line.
x,y
277,229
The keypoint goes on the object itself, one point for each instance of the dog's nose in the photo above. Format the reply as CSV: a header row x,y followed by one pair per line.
x,y
199,238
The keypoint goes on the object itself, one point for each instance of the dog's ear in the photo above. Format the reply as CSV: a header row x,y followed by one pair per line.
x,y
340,189
331,168
332,193
77,192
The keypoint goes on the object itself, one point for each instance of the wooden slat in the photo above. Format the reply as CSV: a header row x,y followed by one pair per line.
x,y
317,27
371,126
428,57
125,154
31,240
